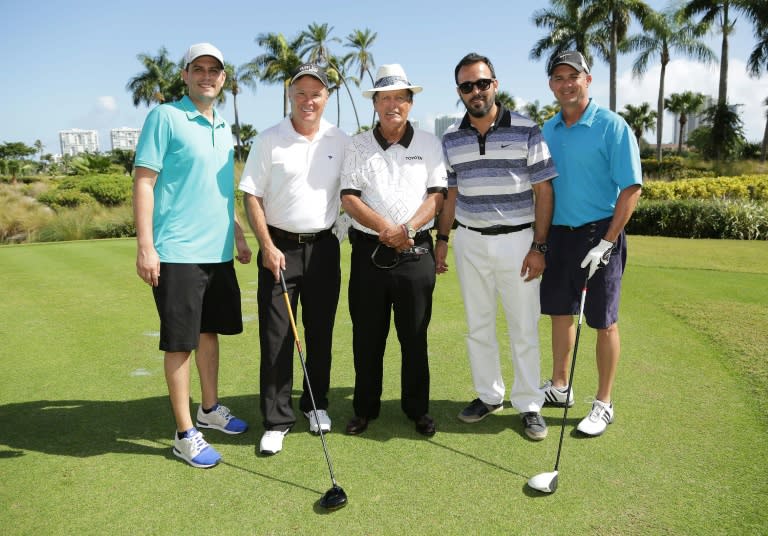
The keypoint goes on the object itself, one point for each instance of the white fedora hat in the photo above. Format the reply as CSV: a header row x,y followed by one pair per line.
x,y
390,78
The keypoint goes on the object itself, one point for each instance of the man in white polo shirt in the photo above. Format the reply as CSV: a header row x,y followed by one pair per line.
x,y
291,185
393,184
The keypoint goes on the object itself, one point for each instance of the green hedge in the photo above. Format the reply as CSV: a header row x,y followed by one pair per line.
x,y
107,190
745,187
700,218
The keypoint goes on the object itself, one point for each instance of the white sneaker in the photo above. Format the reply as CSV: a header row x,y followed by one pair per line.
x,y
322,417
598,419
195,450
555,396
272,441
220,418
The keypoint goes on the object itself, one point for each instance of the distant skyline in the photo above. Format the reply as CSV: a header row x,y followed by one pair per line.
x,y
68,63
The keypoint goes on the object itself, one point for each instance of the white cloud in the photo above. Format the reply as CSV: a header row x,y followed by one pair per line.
x,y
107,104
685,75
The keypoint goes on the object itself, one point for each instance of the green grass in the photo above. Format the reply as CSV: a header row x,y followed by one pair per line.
x,y
85,425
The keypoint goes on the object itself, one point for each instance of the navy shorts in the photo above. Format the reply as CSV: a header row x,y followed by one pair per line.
x,y
196,298
563,278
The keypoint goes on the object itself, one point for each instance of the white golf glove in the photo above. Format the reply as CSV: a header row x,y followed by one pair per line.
x,y
598,256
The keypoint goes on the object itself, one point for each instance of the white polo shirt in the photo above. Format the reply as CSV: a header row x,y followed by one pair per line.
x,y
297,178
394,181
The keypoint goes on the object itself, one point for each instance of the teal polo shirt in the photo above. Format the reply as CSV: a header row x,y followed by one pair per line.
x,y
596,158
193,219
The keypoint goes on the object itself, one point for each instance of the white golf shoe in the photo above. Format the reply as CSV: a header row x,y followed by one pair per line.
x,y
322,418
598,419
272,441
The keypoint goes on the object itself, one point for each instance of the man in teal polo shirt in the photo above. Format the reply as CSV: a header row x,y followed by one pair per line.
x,y
186,231
599,183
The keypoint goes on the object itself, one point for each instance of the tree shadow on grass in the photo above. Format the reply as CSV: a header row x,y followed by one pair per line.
x,y
83,428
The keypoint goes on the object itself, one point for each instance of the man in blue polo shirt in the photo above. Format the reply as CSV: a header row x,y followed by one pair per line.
x,y
599,183
186,232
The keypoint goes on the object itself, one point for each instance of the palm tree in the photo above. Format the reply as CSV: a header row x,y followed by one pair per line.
x,y
362,41
568,29
237,77
38,145
611,19
540,115
315,43
159,82
757,64
337,67
720,11
639,118
507,100
684,104
278,63
666,32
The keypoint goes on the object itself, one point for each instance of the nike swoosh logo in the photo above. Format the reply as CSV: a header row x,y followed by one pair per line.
x,y
505,146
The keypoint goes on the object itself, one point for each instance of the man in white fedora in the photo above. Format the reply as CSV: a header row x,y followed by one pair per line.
x,y
393,182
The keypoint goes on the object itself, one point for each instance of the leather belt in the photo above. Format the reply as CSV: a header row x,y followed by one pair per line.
x,y
497,229
301,238
580,227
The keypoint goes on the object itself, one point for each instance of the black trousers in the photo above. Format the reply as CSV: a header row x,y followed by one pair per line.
x,y
374,294
313,278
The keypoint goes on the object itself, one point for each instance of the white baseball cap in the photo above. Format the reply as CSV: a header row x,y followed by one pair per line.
x,y
202,49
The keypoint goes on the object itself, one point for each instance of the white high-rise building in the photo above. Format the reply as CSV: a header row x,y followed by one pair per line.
x,y
442,123
694,121
124,138
76,141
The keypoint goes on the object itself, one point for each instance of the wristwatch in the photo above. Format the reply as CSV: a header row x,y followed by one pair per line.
x,y
541,247
410,231
443,237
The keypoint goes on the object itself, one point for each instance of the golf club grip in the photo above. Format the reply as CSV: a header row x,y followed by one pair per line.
x,y
289,309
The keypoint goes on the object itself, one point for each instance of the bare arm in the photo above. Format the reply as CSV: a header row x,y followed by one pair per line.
x,y
390,234
244,252
147,259
534,263
444,226
625,206
272,258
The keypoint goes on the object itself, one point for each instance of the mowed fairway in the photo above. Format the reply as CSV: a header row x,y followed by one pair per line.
x,y
86,428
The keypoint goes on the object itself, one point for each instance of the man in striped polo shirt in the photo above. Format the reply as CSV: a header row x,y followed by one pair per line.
x,y
500,195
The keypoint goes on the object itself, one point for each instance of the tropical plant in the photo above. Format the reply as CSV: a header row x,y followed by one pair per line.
x,y
39,148
666,32
727,140
568,29
278,63
361,42
236,78
507,100
757,64
315,42
124,158
720,11
539,114
684,105
159,82
611,20
639,118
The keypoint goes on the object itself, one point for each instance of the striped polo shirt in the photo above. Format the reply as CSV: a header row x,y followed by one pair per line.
x,y
493,173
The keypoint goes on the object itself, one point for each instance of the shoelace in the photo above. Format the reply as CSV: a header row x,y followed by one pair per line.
x,y
198,443
531,418
223,411
597,412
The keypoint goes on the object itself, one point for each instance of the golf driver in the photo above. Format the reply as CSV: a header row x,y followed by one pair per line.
x,y
547,482
334,498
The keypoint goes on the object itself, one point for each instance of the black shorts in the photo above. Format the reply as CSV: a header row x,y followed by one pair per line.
x,y
196,298
563,278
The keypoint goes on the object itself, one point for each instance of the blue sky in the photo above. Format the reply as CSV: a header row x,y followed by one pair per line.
x,y
67,63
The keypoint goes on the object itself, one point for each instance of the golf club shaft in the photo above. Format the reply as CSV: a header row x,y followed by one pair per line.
x,y
306,375
573,368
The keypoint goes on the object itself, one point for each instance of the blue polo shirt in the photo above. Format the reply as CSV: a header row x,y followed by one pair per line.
x,y
193,219
596,158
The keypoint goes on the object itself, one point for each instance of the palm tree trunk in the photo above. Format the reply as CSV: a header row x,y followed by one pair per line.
x,y
352,100
680,138
660,111
722,90
286,105
239,152
765,141
612,62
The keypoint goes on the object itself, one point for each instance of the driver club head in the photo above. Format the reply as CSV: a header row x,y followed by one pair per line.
x,y
544,482
334,498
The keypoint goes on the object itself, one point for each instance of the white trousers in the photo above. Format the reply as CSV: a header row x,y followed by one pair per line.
x,y
488,267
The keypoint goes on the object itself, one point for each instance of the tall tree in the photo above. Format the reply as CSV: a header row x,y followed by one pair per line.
x,y
361,42
757,64
567,29
539,114
611,20
278,63
315,43
507,100
337,69
639,118
684,104
237,77
720,12
666,32
159,82
39,148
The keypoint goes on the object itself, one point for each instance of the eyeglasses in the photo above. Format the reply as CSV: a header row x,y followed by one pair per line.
x,y
482,85
387,258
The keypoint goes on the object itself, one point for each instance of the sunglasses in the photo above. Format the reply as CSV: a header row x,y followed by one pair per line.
x,y
482,85
387,258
